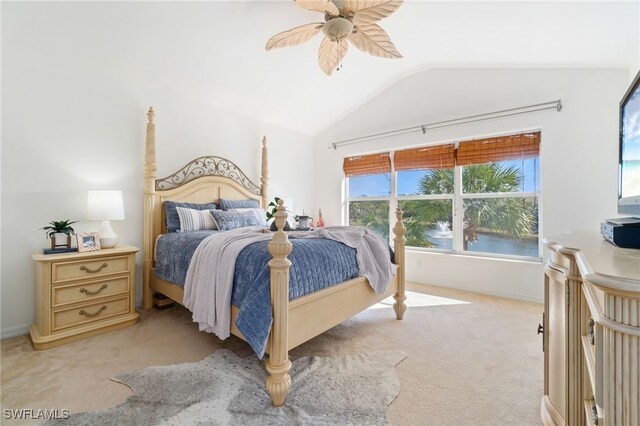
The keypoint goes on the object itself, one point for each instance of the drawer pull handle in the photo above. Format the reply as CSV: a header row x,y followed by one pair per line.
x,y
590,332
92,293
93,271
594,413
88,315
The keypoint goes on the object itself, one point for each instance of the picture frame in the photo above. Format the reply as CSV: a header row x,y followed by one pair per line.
x,y
88,241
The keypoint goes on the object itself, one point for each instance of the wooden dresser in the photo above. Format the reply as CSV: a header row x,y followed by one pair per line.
x,y
591,331
79,295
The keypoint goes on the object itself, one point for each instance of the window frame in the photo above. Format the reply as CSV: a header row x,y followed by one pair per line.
x,y
457,198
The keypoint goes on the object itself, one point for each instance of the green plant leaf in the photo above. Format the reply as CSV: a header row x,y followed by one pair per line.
x,y
59,226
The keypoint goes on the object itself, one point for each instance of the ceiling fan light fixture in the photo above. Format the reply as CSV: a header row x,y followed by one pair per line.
x,y
337,28
346,22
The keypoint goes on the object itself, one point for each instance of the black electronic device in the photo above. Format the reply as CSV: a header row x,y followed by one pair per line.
x,y
622,232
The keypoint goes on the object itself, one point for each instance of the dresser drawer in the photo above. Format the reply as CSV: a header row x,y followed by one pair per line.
x,y
64,295
92,312
89,268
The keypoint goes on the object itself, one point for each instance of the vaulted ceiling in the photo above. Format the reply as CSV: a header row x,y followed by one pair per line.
x,y
216,49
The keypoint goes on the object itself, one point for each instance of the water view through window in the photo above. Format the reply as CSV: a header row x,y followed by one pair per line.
x,y
498,203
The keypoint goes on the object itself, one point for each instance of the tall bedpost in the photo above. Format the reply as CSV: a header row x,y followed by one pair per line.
x,y
264,176
278,365
398,247
149,207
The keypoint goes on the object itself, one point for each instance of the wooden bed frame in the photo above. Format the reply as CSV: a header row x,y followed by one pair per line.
x,y
207,179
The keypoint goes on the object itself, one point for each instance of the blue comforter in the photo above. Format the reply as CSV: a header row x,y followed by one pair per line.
x,y
316,264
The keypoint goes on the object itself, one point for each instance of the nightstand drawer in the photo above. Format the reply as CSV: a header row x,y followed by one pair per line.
x,y
64,295
90,268
89,313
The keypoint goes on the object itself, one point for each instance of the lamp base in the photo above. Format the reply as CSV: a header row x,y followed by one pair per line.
x,y
108,238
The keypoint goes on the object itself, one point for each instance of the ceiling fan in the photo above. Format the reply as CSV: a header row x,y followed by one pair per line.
x,y
352,21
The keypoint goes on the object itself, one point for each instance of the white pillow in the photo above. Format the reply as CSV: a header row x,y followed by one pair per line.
x,y
260,214
195,220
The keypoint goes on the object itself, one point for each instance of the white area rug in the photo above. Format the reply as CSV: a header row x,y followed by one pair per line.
x,y
224,389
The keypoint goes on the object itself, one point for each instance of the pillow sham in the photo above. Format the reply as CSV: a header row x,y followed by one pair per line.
x,y
261,215
227,220
172,219
195,220
238,204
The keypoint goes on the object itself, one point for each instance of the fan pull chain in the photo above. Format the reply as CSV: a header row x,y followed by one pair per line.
x,y
341,56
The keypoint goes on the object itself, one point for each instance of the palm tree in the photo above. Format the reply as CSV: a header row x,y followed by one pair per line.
x,y
374,215
514,217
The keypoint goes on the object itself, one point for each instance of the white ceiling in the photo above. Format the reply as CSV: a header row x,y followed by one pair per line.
x,y
286,86
217,48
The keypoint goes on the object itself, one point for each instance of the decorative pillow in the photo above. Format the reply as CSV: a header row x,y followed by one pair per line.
x,y
260,214
171,214
227,220
195,220
238,204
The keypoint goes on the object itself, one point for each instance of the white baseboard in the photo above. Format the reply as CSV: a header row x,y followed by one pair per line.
x,y
19,330
488,292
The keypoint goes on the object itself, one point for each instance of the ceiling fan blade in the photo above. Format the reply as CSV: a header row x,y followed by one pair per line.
x,y
294,36
347,8
369,11
330,54
324,6
373,40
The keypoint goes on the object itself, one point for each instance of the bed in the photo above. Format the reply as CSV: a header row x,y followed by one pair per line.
x,y
208,179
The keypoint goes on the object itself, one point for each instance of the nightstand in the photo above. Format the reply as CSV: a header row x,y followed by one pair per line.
x,y
79,295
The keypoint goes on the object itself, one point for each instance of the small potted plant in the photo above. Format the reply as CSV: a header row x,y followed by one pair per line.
x,y
271,211
59,232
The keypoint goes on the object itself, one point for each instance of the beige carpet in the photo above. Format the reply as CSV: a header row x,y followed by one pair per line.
x,y
472,359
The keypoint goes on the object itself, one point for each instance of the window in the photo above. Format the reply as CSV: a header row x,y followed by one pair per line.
x,y
425,192
369,191
477,196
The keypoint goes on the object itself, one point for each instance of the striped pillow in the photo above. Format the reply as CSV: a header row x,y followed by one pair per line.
x,y
195,220
171,214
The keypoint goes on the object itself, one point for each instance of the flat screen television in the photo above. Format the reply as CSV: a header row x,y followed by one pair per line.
x,y
629,154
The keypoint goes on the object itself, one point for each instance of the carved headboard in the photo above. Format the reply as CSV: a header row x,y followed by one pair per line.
x,y
203,180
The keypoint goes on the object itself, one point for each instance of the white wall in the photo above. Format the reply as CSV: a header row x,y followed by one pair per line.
x,y
578,155
74,118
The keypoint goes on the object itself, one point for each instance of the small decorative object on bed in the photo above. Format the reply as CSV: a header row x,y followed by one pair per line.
x,y
294,320
88,241
320,223
304,221
60,232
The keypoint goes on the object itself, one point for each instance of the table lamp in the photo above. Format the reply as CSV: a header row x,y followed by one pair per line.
x,y
105,205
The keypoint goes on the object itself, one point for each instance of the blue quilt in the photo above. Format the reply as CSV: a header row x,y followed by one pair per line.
x,y
316,264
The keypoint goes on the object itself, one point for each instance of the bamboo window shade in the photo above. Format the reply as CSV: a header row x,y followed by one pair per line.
x,y
367,164
501,148
430,157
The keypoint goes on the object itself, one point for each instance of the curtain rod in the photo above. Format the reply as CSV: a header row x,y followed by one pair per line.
x,y
557,105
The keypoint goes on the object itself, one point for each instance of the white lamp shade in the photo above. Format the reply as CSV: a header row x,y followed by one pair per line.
x,y
105,205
